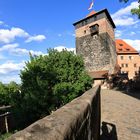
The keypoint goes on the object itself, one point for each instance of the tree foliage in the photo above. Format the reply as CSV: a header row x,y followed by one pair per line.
x,y
51,81
7,91
134,11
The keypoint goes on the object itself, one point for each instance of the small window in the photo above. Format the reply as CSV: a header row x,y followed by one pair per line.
x,y
135,65
130,57
120,49
86,22
136,72
121,44
122,65
95,18
126,65
127,49
84,31
121,57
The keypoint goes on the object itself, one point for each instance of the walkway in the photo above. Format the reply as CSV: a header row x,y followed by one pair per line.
x,y
120,115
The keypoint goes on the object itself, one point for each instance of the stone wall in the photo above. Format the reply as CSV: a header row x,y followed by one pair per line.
x,y
98,52
77,120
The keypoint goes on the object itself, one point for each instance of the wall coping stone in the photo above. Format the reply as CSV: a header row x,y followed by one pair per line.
x,y
62,122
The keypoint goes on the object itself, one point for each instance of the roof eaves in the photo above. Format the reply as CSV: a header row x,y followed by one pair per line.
x,y
104,10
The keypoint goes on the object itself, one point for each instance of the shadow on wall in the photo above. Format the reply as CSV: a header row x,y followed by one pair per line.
x,y
108,131
133,93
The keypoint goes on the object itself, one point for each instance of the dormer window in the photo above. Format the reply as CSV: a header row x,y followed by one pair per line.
x,y
94,29
127,49
130,57
121,44
120,49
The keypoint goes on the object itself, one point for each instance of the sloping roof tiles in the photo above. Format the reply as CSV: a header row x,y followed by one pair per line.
x,y
123,48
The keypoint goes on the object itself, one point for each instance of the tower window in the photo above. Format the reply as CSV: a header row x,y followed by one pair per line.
x,y
86,22
121,57
136,72
122,65
95,17
84,31
126,65
135,65
130,57
94,29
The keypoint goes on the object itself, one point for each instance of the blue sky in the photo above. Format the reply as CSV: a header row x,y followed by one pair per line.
x,y
36,25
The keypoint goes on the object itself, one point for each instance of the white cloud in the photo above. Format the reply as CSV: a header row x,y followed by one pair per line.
x,y
134,43
1,22
20,52
8,78
9,47
9,35
59,35
123,16
9,67
14,49
73,35
60,48
118,33
132,33
35,38
1,57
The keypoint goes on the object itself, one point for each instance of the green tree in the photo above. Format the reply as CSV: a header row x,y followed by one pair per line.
x,y
7,91
4,99
135,11
51,81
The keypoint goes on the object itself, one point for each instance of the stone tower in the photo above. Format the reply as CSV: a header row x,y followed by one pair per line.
x,y
95,41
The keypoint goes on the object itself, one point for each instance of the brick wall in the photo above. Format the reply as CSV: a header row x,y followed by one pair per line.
x,y
104,26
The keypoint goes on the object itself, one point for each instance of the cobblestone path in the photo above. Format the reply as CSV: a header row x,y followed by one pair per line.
x,y
120,115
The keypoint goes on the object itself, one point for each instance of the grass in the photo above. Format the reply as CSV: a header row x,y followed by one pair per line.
x,y
4,136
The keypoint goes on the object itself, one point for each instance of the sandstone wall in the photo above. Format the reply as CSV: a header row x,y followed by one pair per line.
x,y
77,120
133,64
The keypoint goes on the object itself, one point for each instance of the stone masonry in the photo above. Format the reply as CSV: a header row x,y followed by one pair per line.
x,y
77,120
95,42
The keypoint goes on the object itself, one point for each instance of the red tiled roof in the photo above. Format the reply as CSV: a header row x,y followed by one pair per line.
x,y
98,74
91,13
123,47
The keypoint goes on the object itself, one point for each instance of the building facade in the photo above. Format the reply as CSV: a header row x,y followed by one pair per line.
x,y
128,58
95,41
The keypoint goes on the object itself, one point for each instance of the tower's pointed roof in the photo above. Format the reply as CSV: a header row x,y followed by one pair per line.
x,y
91,13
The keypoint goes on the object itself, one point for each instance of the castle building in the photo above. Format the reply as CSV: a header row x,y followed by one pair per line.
x,y
95,42
128,58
